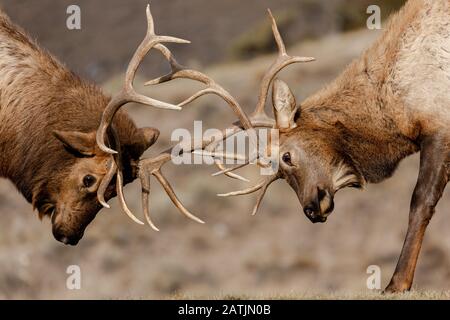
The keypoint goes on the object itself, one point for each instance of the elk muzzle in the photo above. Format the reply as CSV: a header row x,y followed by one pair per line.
x,y
319,207
65,237
68,226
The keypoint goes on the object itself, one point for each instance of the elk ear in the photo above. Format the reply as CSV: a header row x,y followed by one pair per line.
x,y
80,143
284,105
146,138
150,136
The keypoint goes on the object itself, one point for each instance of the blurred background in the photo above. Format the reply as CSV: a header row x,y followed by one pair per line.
x,y
278,252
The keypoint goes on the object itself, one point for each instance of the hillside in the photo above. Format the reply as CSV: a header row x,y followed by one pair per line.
x,y
278,253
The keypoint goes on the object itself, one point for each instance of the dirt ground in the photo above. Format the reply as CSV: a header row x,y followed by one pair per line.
x,y
277,254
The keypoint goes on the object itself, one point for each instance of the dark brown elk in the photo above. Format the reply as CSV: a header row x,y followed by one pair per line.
x,y
392,102
48,121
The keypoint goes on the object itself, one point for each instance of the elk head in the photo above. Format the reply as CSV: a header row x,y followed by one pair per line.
x,y
309,159
69,196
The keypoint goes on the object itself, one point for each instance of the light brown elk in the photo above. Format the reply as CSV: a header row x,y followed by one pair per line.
x,y
390,103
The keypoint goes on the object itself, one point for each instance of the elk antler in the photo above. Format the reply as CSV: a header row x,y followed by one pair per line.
x,y
259,117
128,94
152,166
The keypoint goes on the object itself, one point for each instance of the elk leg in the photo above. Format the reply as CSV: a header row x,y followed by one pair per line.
x,y
433,178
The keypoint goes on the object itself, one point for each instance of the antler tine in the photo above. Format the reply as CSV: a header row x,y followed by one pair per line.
x,y
119,178
259,117
150,21
262,192
276,34
112,170
121,196
180,72
261,186
128,93
145,182
283,60
244,191
169,190
229,171
153,166
221,167
224,170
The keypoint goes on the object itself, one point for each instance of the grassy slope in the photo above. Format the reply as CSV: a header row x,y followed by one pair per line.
x,y
277,254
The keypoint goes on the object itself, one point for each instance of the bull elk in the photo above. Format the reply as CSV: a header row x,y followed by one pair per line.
x,y
390,103
49,117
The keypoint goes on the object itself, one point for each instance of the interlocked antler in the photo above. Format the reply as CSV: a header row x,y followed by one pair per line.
x,y
259,117
152,166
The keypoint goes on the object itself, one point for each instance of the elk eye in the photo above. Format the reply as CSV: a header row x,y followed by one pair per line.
x,y
88,180
287,158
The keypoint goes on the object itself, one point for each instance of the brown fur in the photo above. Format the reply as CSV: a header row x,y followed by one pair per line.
x,y
359,128
38,96
362,110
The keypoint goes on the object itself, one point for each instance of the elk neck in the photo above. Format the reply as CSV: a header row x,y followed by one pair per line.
x,y
364,116
38,95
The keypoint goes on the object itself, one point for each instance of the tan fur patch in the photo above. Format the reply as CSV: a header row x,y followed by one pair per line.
x,y
344,176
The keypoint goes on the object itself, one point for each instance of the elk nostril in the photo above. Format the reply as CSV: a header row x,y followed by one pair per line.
x,y
309,211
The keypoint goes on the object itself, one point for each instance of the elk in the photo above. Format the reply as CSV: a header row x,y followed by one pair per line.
x,y
388,104
49,120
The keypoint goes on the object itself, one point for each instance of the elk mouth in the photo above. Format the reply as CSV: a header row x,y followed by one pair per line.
x,y
50,211
67,240
63,234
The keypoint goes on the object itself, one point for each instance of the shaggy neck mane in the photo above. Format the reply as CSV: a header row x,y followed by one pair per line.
x,y
362,111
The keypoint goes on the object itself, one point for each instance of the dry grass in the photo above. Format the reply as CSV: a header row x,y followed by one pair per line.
x,y
363,295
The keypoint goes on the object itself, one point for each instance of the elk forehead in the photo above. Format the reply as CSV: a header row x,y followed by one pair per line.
x,y
96,165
